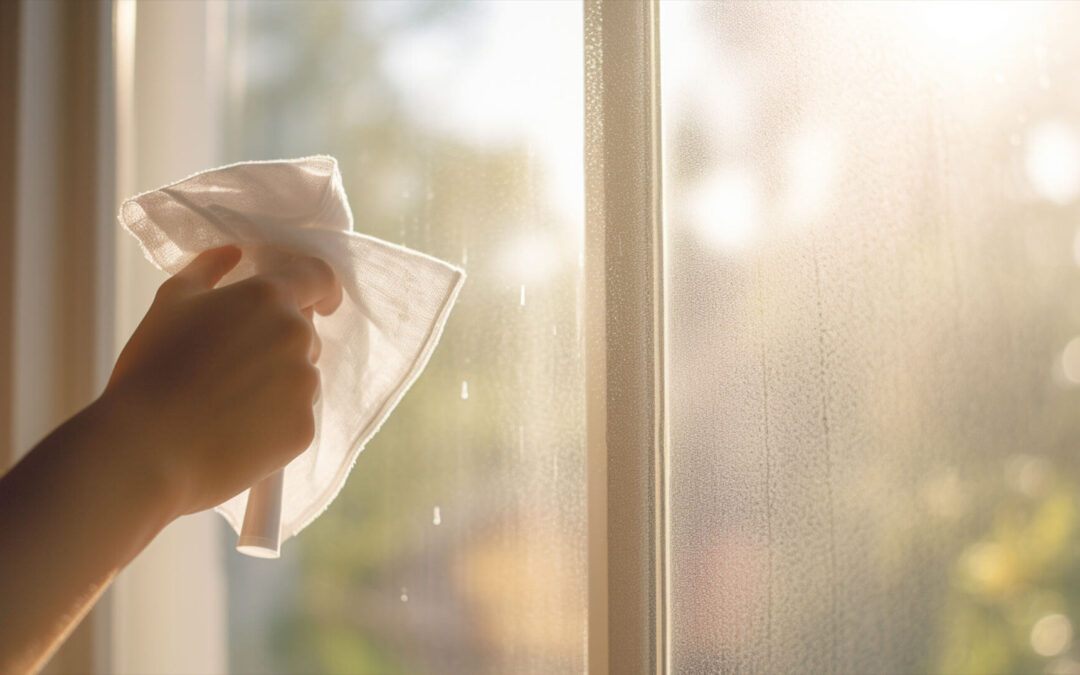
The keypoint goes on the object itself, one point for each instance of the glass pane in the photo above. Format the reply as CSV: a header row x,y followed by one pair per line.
x,y
872,223
458,544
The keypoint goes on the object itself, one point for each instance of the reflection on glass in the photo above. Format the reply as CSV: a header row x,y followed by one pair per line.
x,y
458,544
874,410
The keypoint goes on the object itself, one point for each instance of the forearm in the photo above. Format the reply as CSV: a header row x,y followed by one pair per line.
x,y
212,393
73,512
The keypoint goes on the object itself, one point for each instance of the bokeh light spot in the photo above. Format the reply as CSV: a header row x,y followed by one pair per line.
x,y
1051,635
725,208
1052,161
1070,361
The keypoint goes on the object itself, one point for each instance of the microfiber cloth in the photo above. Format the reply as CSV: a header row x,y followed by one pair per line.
x,y
396,301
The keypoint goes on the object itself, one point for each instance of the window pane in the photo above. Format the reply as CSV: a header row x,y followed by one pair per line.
x,y
458,544
872,223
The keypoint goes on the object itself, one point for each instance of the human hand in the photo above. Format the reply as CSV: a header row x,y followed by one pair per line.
x,y
218,383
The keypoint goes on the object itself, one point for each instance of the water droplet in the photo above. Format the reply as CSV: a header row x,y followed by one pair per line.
x,y
404,594
522,295
554,330
464,390
436,517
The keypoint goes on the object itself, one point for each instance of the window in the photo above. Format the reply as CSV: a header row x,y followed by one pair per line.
x,y
767,360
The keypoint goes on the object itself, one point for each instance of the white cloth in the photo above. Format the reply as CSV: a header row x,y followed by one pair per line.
x,y
374,346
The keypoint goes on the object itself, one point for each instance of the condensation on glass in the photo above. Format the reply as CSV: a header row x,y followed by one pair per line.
x,y
458,544
874,301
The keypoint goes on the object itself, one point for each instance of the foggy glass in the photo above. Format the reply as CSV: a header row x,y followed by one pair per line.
x,y
871,219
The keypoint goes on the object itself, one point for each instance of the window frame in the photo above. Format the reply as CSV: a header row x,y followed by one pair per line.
x,y
626,417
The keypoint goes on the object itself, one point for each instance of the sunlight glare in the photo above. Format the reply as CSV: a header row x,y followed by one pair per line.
x,y
971,36
964,25
500,84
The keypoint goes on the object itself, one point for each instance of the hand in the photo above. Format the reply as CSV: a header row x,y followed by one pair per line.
x,y
219,382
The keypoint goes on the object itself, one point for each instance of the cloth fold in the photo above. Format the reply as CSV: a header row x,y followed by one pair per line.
x,y
396,301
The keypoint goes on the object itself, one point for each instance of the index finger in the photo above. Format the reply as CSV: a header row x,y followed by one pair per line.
x,y
312,282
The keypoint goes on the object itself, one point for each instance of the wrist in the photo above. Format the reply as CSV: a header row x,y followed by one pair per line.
x,y
137,455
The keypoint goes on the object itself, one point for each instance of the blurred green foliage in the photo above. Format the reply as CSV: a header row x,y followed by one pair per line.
x,y
1022,571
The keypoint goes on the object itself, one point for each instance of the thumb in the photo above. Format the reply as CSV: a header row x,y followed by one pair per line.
x,y
207,269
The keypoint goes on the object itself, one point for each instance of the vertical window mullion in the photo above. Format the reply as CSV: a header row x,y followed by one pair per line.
x,y
624,345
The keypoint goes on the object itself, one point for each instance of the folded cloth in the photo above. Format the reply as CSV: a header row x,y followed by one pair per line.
x,y
396,301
